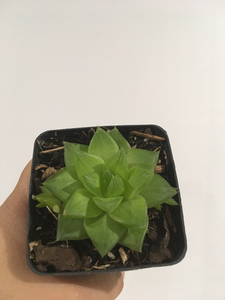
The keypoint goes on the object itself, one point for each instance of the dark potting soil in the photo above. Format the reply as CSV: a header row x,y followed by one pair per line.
x,y
49,255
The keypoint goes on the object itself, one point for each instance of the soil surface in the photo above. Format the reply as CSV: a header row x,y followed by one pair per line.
x,y
49,255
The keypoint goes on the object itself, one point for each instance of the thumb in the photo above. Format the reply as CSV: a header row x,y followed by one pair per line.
x,y
18,199
13,211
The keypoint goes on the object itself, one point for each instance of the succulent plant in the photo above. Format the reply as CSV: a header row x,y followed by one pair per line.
x,y
104,192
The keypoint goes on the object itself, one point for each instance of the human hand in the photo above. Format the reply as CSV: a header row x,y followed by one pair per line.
x,y
18,282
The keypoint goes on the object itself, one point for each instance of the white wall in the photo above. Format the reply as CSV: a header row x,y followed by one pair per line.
x,y
80,63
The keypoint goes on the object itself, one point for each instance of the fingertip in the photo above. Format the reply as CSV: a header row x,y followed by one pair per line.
x,y
20,193
25,175
24,179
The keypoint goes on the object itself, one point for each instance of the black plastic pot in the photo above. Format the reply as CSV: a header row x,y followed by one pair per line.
x,y
35,215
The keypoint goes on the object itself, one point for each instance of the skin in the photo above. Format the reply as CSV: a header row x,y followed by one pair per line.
x,y
18,282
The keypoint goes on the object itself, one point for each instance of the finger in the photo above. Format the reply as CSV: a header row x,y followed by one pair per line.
x,y
13,212
13,219
94,287
18,199
15,206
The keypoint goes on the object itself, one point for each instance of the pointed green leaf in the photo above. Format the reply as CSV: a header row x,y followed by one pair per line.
x,y
46,199
63,183
70,150
159,207
132,213
115,188
104,232
87,163
108,204
70,229
117,163
41,205
81,205
133,239
102,145
70,188
111,185
138,178
171,201
158,191
91,182
119,139
142,158
45,190
105,180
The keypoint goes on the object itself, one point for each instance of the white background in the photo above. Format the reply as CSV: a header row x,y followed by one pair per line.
x,y
79,63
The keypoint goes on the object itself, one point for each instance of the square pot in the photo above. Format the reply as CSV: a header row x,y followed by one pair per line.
x,y
164,245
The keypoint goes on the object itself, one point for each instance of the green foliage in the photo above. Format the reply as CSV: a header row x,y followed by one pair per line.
x,y
104,192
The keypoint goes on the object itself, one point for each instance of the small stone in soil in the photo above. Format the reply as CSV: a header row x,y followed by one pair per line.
x,y
123,255
158,254
48,173
61,258
86,261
